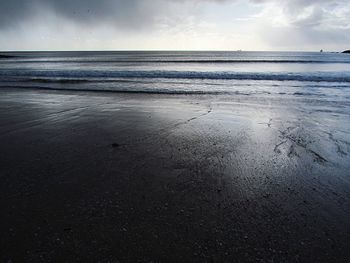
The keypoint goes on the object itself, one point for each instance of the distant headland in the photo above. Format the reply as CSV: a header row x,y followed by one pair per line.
x,y
346,51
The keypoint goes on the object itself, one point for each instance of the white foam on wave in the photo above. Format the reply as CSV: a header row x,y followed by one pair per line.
x,y
160,74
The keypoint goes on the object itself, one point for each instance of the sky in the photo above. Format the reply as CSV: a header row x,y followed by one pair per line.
x,y
307,25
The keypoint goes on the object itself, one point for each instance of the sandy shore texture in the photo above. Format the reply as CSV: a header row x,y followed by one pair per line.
x,y
108,177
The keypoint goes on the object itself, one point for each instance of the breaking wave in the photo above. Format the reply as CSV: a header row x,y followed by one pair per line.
x,y
159,74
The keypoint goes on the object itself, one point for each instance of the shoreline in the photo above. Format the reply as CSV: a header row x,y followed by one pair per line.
x,y
103,176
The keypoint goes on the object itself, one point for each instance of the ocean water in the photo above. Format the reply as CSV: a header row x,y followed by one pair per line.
x,y
231,73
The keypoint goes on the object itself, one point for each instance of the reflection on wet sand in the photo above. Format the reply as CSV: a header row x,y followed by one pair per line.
x,y
96,176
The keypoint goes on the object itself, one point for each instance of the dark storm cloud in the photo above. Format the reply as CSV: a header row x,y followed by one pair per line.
x,y
123,12
126,13
13,11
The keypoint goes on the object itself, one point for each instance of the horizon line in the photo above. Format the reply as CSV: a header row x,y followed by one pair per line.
x,y
166,50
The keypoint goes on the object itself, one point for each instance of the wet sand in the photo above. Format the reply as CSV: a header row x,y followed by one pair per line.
x,y
107,177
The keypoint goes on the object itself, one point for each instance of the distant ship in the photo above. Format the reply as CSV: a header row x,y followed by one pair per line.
x,y
321,50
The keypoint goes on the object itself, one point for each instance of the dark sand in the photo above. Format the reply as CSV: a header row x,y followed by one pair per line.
x,y
103,177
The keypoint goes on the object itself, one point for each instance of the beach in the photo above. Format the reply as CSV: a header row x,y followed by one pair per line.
x,y
124,177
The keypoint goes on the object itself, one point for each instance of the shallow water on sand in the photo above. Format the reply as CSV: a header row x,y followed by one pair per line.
x,y
138,177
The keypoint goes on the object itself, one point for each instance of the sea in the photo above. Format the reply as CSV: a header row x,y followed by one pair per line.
x,y
308,74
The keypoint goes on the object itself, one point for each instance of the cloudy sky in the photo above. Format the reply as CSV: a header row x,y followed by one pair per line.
x,y
174,24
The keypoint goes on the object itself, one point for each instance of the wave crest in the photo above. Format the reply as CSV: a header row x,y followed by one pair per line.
x,y
157,74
